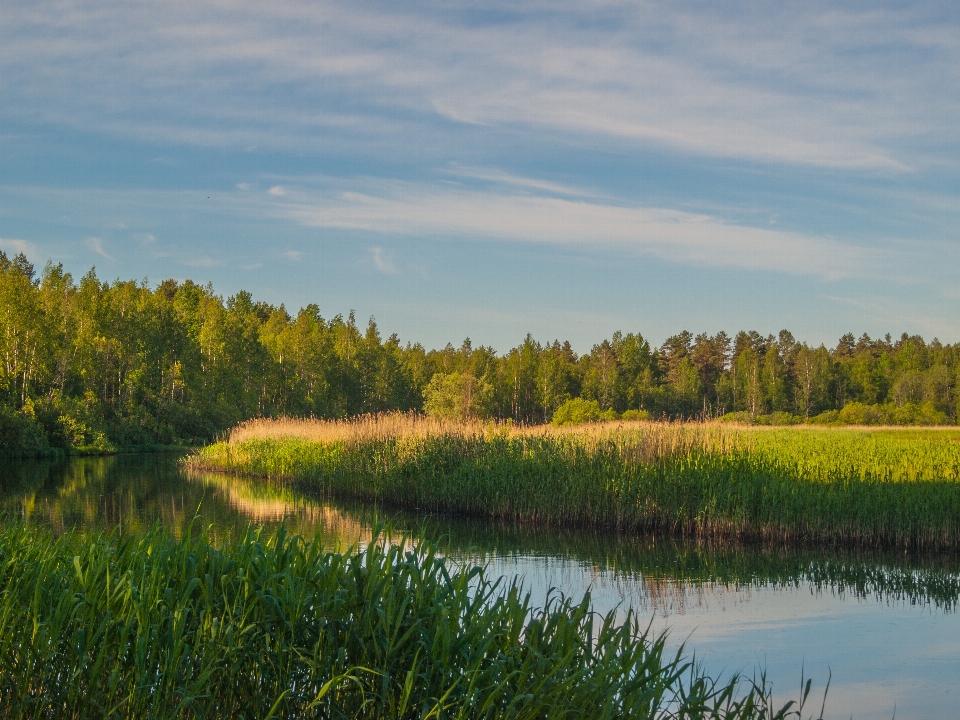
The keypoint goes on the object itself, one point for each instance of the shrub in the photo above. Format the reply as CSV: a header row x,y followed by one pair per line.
x,y
635,415
918,414
68,421
855,413
741,417
830,417
578,411
20,435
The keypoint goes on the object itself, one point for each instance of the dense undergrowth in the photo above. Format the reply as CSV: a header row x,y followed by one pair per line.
x,y
844,487
148,626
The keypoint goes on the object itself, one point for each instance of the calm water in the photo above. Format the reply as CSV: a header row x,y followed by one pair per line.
x,y
886,626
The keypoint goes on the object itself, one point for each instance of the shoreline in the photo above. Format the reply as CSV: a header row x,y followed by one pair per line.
x,y
61,453
694,482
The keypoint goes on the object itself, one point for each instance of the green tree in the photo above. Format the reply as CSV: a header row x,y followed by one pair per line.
x,y
458,396
813,370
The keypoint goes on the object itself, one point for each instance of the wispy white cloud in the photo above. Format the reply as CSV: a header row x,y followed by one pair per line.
x,y
414,209
382,261
294,255
500,177
836,86
96,245
492,211
277,191
15,245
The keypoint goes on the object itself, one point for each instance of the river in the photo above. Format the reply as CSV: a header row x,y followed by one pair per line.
x,y
883,628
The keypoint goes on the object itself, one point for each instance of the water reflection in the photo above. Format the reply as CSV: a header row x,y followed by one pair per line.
x,y
135,492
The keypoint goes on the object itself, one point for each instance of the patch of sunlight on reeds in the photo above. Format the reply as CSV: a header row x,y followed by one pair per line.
x,y
646,439
360,428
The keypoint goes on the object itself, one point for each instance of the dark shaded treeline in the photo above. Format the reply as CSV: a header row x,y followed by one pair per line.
x,y
100,364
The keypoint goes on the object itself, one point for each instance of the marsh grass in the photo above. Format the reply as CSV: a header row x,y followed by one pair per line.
x,y
847,487
148,626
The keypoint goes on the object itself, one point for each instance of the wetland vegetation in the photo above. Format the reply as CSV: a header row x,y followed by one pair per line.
x,y
133,493
842,487
100,495
274,626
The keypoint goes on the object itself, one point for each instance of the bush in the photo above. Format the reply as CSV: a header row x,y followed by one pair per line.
x,y
741,417
635,415
917,414
909,413
20,435
855,413
68,421
578,411
778,418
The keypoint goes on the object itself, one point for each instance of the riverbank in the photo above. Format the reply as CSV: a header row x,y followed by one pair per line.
x,y
95,451
277,627
829,486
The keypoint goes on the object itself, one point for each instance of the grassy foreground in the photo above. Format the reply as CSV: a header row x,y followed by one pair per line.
x,y
153,627
835,486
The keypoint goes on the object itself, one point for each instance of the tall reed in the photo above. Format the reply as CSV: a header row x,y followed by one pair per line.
x,y
147,626
833,486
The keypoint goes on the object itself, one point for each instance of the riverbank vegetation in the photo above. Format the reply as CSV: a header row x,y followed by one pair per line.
x,y
97,492
103,365
798,485
150,626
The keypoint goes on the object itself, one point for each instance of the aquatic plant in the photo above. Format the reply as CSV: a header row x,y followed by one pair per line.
x,y
147,626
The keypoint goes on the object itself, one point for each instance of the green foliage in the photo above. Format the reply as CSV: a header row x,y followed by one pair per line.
x,y
909,413
832,486
635,415
150,627
578,411
121,364
20,435
458,396
778,418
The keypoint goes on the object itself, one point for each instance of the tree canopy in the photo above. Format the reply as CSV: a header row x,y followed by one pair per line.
x,y
94,363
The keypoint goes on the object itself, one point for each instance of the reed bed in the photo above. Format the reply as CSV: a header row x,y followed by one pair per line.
x,y
383,426
148,626
823,486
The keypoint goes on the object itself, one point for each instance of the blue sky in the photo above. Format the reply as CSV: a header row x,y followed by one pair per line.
x,y
491,169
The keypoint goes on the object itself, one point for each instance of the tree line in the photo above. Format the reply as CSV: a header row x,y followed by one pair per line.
x,y
90,363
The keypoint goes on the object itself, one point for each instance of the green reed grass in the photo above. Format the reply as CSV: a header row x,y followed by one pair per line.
x,y
148,626
826,486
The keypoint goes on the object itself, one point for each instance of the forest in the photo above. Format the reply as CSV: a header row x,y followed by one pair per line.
x,y
100,365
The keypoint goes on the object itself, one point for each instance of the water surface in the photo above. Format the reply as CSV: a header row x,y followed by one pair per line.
x,y
885,625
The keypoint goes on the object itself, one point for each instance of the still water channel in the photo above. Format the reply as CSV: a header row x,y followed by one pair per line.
x,y
886,627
